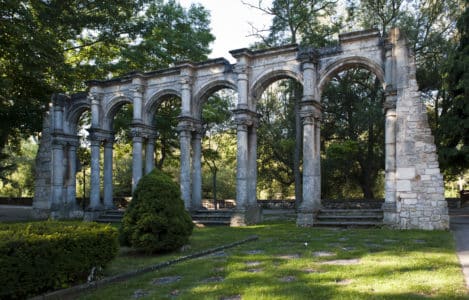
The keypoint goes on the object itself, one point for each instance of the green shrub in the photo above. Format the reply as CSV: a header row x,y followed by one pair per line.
x,y
38,257
156,219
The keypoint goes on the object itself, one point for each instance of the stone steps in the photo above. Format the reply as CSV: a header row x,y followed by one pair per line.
x,y
212,217
111,216
349,217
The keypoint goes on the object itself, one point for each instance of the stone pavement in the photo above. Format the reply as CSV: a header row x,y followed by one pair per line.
x,y
459,225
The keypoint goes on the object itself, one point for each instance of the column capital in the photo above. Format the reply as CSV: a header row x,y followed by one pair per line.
x,y
311,109
309,57
59,99
245,117
101,135
94,98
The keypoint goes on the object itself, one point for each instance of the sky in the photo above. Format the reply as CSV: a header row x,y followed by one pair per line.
x,y
230,24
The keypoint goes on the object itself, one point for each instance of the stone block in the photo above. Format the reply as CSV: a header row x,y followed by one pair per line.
x,y
406,173
409,201
403,186
305,219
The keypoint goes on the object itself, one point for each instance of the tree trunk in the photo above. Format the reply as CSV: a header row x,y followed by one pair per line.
x,y
214,183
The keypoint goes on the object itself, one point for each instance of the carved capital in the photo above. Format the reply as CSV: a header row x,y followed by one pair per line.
x,y
94,98
308,55
137,88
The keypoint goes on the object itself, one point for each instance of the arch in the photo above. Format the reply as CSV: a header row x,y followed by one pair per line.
x,y
201,96
154,101
111,109
267,78
74,114
347,63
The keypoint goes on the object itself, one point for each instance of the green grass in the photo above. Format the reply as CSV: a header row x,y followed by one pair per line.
x,y
391,265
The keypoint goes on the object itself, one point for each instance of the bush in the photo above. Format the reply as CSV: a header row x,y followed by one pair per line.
x,y
156,219
38,257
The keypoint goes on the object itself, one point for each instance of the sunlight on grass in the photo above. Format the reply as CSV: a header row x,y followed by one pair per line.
x,y
288,262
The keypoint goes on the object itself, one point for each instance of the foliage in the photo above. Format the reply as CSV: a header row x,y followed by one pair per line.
x,y
219,144
18,182
56,45
156,219
297,21
352,133
453,132
277,127
42,256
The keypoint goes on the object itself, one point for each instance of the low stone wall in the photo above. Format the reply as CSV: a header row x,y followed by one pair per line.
x,y
352,203
276,204
23,201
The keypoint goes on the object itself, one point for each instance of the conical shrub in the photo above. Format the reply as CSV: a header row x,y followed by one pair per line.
x,y
156,220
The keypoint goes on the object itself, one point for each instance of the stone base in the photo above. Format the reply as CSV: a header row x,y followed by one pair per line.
x,y
91,215
390,214
249,216
40,213
305,218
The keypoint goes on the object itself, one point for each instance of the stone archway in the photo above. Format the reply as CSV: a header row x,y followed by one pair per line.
x,y
414,195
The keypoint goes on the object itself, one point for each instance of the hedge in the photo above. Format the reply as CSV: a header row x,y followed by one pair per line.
x,y
38,257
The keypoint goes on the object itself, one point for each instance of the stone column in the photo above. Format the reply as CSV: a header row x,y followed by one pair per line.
x,y
150,154
137,102
186,89
137,160
389,205
310,114
196,170
57,178
108,149
72,206
185,175
95,202
242,164
254,211
59,103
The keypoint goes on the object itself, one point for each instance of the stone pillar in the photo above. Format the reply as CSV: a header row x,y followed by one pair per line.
x,y
242,165
186,89
310,114
57,178
150,154
59,103
95,202
137,95
108,149
196,170
71,206
253,210
185,175
389,205
137,160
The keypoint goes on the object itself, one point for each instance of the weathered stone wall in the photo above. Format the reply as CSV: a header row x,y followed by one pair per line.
x,y
420,201
43,172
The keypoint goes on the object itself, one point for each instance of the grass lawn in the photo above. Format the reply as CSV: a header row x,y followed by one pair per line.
x,y
333,264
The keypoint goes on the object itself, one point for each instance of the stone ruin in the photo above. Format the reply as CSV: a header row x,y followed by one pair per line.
x,y
414,191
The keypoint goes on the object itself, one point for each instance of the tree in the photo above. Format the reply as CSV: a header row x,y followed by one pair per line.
x,y
217,128
56,45
353,133
453,131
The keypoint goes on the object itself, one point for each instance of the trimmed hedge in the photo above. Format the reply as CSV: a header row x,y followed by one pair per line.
x,y
38,257
156,219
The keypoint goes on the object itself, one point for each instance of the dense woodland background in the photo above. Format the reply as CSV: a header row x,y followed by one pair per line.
x,y
56,45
